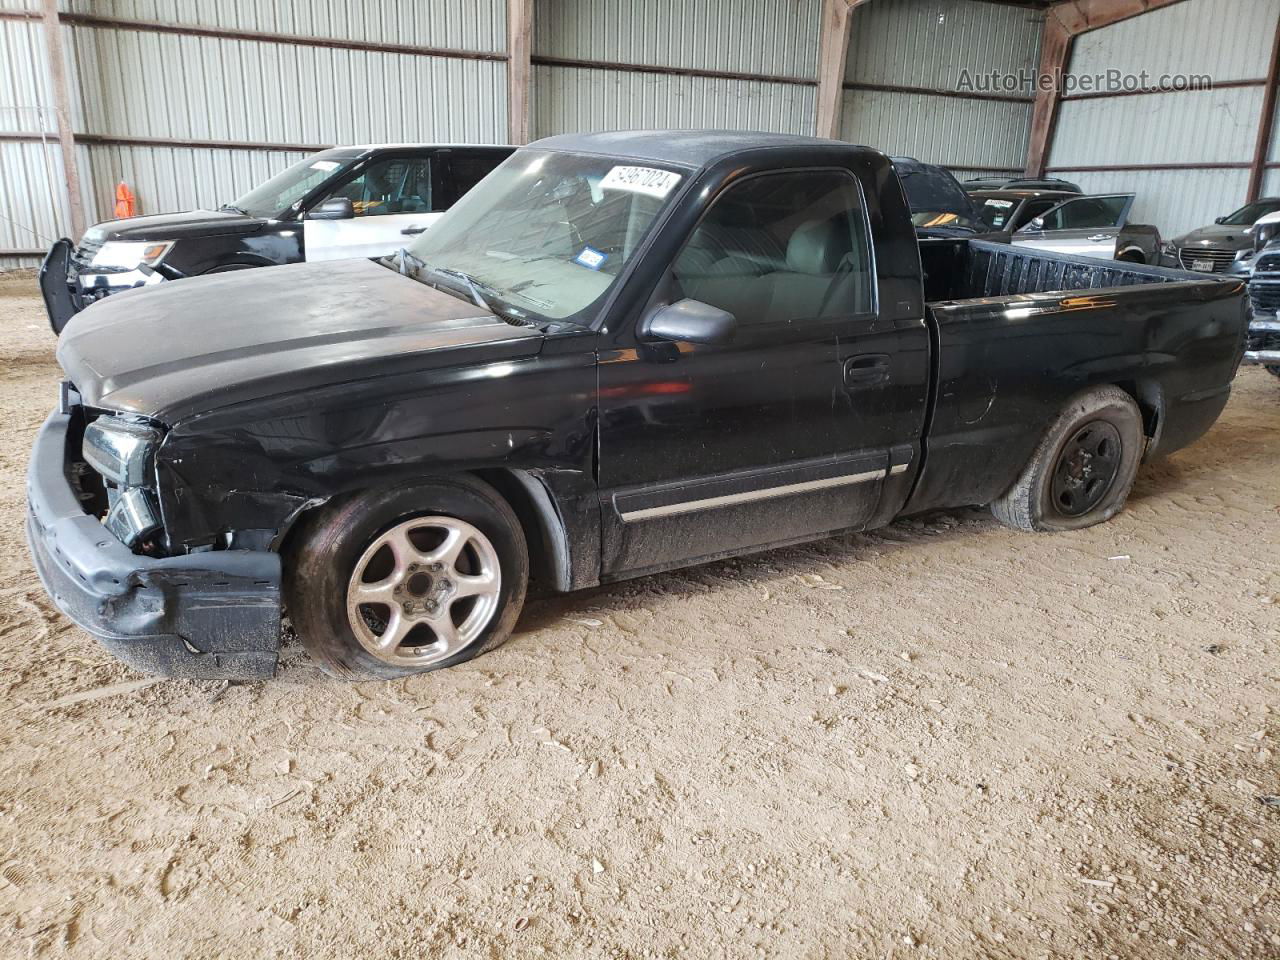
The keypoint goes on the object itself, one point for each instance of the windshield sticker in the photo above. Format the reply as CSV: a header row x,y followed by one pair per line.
x,y
1002,204
590,257
646,180
324,165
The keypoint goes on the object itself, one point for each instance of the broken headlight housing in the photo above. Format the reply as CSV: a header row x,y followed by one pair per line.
x,y
122,451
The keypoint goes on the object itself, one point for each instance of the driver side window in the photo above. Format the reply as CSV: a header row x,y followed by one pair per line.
x,y
390,186
780,249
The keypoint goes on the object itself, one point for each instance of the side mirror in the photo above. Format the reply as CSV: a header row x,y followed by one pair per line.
x,y
335,208
1219,219
691,321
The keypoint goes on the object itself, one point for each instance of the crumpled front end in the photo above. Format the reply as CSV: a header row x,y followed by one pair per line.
x,y
213,614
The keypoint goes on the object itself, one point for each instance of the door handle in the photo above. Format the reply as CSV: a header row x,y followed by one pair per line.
x,y
866,370
410,231
1099,237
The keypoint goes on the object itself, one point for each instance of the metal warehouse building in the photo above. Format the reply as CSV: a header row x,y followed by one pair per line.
x,y
190,103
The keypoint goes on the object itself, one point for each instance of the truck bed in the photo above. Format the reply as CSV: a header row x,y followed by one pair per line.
x,y
1014,334
969,269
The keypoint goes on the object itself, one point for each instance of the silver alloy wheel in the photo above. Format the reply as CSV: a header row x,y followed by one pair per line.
x,y
417,601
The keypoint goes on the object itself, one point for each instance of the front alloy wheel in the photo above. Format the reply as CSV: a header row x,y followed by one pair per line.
x,y
403,579
424,591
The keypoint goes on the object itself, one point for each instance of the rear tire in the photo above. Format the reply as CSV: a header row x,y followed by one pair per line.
x,y
1083,469
1274,370
407,579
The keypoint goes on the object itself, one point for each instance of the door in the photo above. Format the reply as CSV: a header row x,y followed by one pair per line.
x,y
780,435
1084,226
395,199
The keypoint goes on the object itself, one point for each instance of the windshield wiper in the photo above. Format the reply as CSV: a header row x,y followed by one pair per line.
x,y
479,299
231,207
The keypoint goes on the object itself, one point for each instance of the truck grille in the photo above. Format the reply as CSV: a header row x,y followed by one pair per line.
x,y
1263,340
1264,296
1221,259
1268,263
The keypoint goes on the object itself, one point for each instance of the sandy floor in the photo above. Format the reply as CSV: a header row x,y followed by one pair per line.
x,y
943,739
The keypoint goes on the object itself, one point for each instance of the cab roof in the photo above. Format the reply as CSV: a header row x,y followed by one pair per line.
x,y
688,148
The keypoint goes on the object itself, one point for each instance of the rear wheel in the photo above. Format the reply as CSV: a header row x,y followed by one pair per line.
x,y
409,579
1083,469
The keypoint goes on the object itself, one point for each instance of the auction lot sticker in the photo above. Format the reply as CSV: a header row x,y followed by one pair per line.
x,y
646,180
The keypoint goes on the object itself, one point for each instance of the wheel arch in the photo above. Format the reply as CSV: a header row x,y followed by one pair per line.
x,y
1149,397
550,559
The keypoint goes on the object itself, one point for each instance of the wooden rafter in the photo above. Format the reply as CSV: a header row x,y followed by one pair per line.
x,y
833,49
519,68
1266,121
1064,22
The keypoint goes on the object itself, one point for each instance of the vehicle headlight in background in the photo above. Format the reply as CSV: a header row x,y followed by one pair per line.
x,y
129,255
1169,249
1244,254
123,453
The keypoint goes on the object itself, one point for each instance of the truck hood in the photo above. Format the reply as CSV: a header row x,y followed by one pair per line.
x,y
177,226
1217,235
193,346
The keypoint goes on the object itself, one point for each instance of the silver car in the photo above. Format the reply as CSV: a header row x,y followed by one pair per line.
x,y
1093,226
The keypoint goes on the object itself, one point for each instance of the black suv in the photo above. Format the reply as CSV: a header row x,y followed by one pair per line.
x,y
344,202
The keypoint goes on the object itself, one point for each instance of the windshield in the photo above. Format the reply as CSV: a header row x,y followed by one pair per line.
x,y
291,184
549,233
1250,212
943,219
995,212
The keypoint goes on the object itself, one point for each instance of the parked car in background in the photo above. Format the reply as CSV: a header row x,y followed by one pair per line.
x,y
1264,298
346,202
1005,211
1092,226
1213,249
621,353
1021,183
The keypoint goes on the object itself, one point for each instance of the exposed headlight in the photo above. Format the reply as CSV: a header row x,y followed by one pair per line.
x,y
128,255
1169,249
122,451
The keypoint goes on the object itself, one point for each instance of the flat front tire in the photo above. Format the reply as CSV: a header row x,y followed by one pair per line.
x,y
407,579
1083,469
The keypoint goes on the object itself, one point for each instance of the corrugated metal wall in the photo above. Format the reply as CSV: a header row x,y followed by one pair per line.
x,y
135,84
765,38
1228,40
916,46
603,64
32,195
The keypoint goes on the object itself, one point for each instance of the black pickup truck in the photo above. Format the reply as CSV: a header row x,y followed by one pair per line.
x,y
619,354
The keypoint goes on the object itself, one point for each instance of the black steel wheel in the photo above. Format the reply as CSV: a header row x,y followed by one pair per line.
x,y
1083,469
1086,468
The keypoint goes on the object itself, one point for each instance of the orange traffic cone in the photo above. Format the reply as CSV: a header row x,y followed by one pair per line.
x,y
126,202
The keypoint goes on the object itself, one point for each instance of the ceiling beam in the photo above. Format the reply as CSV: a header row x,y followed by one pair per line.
x,y
833,50
1064,22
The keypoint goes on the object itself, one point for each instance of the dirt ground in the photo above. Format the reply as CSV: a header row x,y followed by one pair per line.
x,y
943,739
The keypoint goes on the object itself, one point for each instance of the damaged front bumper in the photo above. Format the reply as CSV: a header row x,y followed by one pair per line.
x,y
213,615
